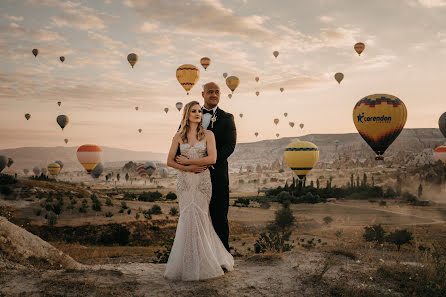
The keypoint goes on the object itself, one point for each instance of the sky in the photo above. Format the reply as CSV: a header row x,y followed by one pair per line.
x,y
405,56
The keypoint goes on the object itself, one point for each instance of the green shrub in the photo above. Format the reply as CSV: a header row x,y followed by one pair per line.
x,y
284,218
108,202
374,233
399,237
273,241
108,214
171,196
156,209
173,211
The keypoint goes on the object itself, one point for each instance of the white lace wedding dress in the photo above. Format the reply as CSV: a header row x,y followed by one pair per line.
x,y
197,252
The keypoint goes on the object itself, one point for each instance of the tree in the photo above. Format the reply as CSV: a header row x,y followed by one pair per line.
x,y
374,233
328,220
399,183
317,183
127,177
352,182
364,180
173,211
118,176
399,237
420,191
284,217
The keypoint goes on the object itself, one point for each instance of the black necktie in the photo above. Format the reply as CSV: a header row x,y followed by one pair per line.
x,y
205,111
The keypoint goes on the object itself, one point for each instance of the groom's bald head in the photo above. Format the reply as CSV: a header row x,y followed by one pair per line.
x,y
211,95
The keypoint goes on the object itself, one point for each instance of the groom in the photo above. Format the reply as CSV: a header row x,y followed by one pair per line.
x,y
223,126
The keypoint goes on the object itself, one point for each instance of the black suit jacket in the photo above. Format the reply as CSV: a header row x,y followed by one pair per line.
x,y
225,139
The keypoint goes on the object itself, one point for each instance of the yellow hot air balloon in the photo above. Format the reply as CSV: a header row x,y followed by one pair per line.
x,y
230,96
359,47
282,89
54,169
205,62
188,75
232,82
225,75
379,119
339,77
301,156
89,155
257,93
276,54
132,58
440,154
276,121
257,79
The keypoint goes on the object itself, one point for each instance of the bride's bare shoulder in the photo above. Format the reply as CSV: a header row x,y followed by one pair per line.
x,y
177,137
209,134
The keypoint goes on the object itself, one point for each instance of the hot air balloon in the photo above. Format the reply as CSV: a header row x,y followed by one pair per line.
x,y
225,75
139,130
276,54
187,76
141,171
230,96
166,110
277,135
257,79
59,103
35,52
359,47
440,154
291,124
26,171
89,155
205,62
276,121
337,142
36,171
232,82
179,105
339,77
27,116
442,124
10,162
241,115
301,125
281,90
66,140
132,58
136,108
150,168
54,169
301,156
43,170
3,162
97,171
257,93
60,164
163,172
62,58
379,119
285,114
256,134
62,120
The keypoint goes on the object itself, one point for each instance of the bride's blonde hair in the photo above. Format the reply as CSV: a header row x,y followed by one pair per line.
x,y
184,128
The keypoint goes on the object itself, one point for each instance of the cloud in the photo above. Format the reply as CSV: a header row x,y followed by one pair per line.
x,y
16,31
75,15
13,18
106,41
148,27
326,19
428,3
376,62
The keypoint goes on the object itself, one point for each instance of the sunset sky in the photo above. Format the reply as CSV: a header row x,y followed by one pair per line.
x,y
405,56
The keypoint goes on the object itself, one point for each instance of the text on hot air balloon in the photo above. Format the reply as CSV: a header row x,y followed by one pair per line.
x,y
382,119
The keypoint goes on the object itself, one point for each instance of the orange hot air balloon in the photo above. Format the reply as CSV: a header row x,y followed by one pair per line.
x,y
359,47
188,75
379,119
276,121
440,154
205,62
232,82
89,155
339,77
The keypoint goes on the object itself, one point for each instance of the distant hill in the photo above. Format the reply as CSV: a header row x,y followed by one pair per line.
x,y
28,157
412,144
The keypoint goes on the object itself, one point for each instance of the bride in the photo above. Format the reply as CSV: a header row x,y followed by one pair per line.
x,y
197,252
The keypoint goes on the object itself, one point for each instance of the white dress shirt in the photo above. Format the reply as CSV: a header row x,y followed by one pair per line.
x,y
207,117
